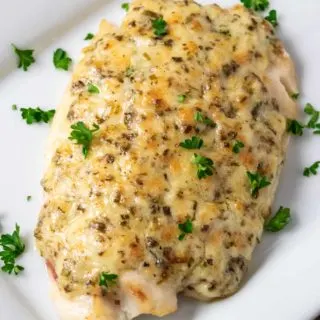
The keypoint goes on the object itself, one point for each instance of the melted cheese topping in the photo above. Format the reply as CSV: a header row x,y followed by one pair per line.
x,y
119,209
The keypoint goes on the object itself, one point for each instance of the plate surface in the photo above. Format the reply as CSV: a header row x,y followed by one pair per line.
x,y
283,282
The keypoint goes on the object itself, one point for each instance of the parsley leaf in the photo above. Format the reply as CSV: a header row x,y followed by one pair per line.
x,y
193,143
182,98
279,221
257,182
61,59
160,27
14,107
238,145
312,170
295,95
35,115
295,127
125,6
26,58
107,279
310,110
83,135
199,117
204,165
89,36
12,247
272,17
93,89
185,228
29,198
317,131
257,5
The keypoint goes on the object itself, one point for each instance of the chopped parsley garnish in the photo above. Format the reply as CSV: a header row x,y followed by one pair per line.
x,y
279,221
199,117
160,27
257,5
204,165
185,228
36,115
29,198
182,98
12,247
238,145
93,89
295,95
312,170
61,60
272,17
125,6
25,57
89,36
129,72
14,107
107,279
257,182
193,143
83,135
295,127
313,113
317,131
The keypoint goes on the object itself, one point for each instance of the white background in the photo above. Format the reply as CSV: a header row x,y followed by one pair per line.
x,y
284,278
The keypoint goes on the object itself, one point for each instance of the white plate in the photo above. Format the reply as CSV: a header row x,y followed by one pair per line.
x,y
284,278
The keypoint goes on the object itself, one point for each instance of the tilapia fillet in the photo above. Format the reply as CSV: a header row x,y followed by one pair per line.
x,y
137,206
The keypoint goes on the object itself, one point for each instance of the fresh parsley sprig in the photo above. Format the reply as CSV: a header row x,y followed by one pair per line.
x,y
295,127
36,115
125,6
107,279
89,36
93,88
257,182
185,228
61,60
272,17
25,57
83,136
295,95
237,146
193,143
312,170
313,113
257,5
12,247
204,165
199,117
279,221
160,27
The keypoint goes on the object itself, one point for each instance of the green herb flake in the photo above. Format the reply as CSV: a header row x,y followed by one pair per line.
x,y
160,27
295,127
312,170
83,136
29,198
125,6
107,279
89,36
36,115
272,17
257,5
12,247
295,95
257,182
317,129
185,228
193,143
14,107
279,221
313,113
25,57
199,117
61,60
93,89
182,98
237,146
204,165
129,72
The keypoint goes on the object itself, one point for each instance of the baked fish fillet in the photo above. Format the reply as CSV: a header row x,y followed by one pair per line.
x,y
136,206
